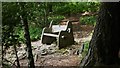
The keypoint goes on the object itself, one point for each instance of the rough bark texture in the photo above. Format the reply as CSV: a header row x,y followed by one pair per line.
x,y
28,43
105,43
1,45
27,36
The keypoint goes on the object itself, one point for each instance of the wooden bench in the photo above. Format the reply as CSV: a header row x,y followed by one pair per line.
x,y
62,34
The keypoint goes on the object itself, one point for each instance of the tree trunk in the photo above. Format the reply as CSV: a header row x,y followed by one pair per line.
x,y
27,37
46,14
28,43
105,43
1,57
1,45
17,59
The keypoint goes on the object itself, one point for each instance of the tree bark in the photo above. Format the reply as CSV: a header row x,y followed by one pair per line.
x,y
1,62
105,43
28,43
1,45
27,36
17,59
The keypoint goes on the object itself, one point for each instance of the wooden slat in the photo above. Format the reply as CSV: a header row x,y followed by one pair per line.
x,y
52,35
58,28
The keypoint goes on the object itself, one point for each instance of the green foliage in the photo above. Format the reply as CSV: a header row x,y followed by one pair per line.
x,y
56,19
75,7
20,33
88,20
35,33
10,20
86,44
91,6
36,13
86,47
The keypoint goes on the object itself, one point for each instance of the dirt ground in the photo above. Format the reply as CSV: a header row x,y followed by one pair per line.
x,y
64,58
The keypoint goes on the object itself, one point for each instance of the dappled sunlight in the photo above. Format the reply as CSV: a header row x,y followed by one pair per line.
x,y
23,30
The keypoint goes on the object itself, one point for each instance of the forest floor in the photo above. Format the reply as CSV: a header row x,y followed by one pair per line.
x,y
54,57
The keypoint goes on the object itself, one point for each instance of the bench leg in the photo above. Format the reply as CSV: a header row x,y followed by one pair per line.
x,y
65,39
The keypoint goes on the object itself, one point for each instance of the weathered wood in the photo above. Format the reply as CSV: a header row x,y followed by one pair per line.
x,y
45,39
61,33
52,35
58,28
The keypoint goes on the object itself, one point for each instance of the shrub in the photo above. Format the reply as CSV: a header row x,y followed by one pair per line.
x,y
86,47
88,20
35,33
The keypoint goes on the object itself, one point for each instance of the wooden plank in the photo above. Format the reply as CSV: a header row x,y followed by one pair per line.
x,y
58,28
52,35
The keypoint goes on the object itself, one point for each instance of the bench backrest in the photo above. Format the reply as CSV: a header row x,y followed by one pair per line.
x,y
58,28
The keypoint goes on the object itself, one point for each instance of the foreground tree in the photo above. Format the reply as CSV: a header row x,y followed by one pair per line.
x,y
27,35
105,44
